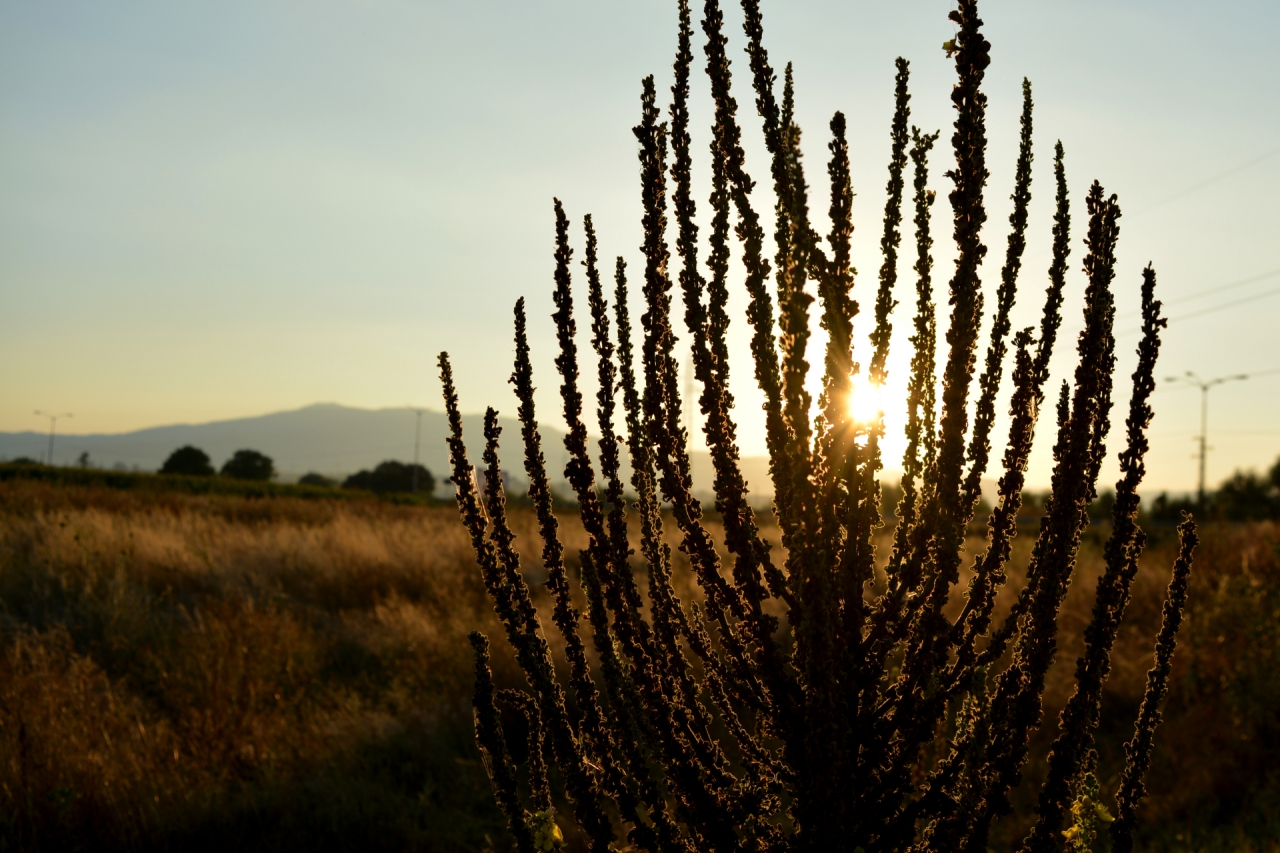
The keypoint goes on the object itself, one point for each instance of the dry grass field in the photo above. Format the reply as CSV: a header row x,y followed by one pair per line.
x,y
182,672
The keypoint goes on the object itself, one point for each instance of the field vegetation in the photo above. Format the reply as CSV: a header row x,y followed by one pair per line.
x,y
213,672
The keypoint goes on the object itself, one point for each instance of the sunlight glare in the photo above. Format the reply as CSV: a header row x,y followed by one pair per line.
x,y
865,403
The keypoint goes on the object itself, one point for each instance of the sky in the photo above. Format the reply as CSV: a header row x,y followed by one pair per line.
x,y
216,210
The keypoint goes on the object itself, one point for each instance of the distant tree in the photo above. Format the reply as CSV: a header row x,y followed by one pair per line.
x,y
359,480
25,460
1246,495
188,460
1274,475
1169,510
249,465
392,476
1101,507
314,479
84,461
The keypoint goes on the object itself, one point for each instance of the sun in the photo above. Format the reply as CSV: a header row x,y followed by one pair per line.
x,y
866,404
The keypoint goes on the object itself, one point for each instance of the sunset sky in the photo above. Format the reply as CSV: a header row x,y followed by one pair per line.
x,y
214,210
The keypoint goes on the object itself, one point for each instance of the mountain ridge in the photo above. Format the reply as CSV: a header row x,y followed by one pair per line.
x,y
331,439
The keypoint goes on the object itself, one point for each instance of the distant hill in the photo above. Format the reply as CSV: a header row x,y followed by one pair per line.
x,y
327,438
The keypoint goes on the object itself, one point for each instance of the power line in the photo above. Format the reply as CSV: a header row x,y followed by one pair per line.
x,y
1209,310
1191,296
1249,431
1181,433
1207,181
1225,305
1165,386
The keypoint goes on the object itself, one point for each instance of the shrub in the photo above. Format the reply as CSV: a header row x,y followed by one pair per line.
x,y
392,476
249,465
189,461
314,479
887,712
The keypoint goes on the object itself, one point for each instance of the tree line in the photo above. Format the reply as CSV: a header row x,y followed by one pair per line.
x,y
387,477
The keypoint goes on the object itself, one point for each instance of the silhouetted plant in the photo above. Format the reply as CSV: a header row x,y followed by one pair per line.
x,y
874,720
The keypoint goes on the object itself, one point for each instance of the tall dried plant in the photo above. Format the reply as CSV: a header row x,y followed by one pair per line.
x,y
710,724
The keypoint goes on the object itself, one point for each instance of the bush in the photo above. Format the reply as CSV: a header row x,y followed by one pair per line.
x,y
391,477
188,461
249,465
314,479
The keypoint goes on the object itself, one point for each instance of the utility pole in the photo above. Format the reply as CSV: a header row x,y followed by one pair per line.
x,y
417,441
53,422
1204,385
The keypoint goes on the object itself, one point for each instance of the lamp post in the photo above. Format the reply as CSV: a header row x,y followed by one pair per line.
x,y
1204,385
53,423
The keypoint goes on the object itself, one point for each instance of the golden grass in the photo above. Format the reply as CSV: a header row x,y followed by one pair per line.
x,y
213,672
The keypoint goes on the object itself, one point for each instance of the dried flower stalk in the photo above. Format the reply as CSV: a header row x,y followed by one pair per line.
x,y
792,704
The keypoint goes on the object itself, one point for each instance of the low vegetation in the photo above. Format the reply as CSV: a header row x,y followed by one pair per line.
x,y
163,484
214,672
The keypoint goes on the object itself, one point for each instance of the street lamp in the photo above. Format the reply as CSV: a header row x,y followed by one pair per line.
x,y
1204,385
53,422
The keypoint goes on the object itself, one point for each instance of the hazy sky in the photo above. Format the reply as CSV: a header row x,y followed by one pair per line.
x,y
212,210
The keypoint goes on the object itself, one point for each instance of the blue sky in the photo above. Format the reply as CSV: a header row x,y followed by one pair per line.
x,y
213,210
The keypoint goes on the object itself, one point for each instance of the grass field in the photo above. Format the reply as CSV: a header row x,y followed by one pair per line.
x,y
184,671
